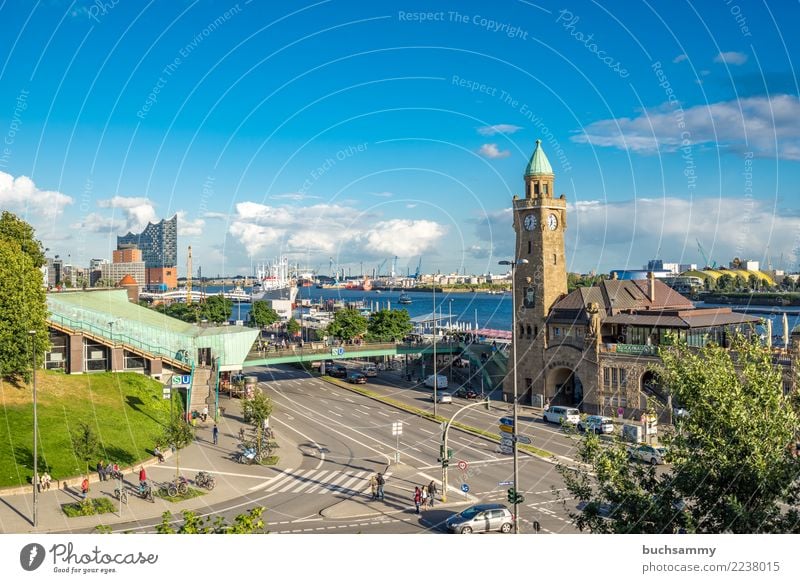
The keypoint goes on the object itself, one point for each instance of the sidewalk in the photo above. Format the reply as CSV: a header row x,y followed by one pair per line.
x,y
398,497
233,480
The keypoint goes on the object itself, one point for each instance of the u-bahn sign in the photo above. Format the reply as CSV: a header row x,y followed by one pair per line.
x,y
337,351
181,380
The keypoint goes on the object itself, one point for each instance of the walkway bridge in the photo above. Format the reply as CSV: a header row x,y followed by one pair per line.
x,y
316,351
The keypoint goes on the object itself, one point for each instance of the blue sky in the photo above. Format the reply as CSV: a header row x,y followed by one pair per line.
x,y
360,131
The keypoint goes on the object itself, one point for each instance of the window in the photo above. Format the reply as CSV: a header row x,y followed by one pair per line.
x,y
555,259
535,188
529,247
521,330
529,331
544,186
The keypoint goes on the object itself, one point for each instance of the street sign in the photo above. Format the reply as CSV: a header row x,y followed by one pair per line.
x,y
506,449
340,352
465,488
507,429
507,421
506,483
507,441
167,392
523,439
334,352
462,465
397,428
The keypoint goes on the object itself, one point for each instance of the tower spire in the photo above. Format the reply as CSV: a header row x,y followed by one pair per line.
x,y
539,175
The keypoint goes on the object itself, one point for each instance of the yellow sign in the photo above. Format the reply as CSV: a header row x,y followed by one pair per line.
x,y
506,429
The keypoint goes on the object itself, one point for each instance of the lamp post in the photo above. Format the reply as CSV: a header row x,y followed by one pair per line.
x,y
35,434
435,374
450,335
515,405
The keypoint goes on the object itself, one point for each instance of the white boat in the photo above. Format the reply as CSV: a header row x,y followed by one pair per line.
x,y
404,299
236,295
273,282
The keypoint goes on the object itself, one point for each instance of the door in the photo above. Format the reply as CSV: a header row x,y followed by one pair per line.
x,y
495,519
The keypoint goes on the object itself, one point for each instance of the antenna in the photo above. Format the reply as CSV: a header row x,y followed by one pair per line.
x,y
189,276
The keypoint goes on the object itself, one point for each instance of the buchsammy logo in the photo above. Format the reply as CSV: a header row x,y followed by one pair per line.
x,y
31,556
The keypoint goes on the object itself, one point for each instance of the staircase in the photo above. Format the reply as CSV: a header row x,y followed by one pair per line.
x,y
203,382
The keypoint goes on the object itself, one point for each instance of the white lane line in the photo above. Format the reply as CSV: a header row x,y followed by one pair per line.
x,y
425,430
304,436
351,484
335,413
323,401
285,480
321,481
338,408
270,481
216,473
309,480
384,414
338,484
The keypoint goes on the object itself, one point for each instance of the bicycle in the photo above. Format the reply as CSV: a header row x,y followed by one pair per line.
x,y
121,494
205,480
177,486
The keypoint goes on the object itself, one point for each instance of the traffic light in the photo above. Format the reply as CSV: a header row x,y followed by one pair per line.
x,y
442,458
515,497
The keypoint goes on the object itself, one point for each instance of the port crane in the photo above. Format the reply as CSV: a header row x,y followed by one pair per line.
x,y
418,273
707,264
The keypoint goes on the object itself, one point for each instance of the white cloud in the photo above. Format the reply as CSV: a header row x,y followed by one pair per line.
x,y
411,205
501,128
22,194
478,252
333,230
97,223
492,151
137,211
384,194
767,126
188,227
680,58
294,196
731,58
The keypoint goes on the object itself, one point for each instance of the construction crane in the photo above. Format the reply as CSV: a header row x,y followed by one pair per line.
x,y
380,267
394,267
707,264
189,276
334,270
419,268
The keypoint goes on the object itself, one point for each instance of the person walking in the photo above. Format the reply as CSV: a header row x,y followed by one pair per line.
x,y
432,491
417,497
215,434
84,488
381,483
101,470
424,495
142,478
373,486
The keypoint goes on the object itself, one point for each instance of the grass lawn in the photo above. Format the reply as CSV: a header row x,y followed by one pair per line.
x,y
191,493
126,411
89,507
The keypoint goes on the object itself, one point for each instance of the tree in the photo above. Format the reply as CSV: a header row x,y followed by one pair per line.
x,y
251,522
738,283
178,434
724,282
389,325
255,411
733,464
85,444
262,314
347,324
216,309
753,281
22,299
292,327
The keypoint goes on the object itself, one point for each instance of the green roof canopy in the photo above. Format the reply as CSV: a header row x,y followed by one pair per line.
x,y
539,163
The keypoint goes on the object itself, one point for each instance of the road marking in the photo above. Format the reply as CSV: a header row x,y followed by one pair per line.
x,y
255,477
335,413
384,414
304,436
426,430
304,479
268,482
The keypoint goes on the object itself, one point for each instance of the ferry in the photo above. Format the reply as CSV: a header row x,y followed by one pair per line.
x,y
404,299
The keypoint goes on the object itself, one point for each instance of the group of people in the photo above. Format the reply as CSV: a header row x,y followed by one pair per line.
x,y
107,471
44,481
424,497
376,484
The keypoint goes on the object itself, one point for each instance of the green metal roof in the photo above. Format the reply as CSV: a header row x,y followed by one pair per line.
x,y
539,163
110,314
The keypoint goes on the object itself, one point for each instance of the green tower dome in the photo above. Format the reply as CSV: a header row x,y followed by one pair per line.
x,y
539,163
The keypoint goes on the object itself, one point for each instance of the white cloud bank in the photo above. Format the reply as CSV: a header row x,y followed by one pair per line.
x,y
501,128
491,151
21,194
766,126
731,58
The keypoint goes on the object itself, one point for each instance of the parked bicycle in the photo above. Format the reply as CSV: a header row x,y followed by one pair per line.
x,y
121,494
179,485
205,480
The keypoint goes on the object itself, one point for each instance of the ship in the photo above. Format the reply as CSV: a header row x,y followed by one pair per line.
x,y
404,299
273,282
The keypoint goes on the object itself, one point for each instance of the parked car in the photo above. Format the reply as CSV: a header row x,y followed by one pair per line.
x,y
329,364
648,453
441,381
481,518
559,414
596,424
465,393
357,378
443,398
370,370
338,371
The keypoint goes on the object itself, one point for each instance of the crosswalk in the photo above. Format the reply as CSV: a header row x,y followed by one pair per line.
x,y
347,482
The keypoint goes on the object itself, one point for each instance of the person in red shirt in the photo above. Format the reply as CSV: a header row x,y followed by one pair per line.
x,y
142,477
84,487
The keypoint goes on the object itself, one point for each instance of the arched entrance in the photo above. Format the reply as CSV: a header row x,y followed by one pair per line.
x,y
564,387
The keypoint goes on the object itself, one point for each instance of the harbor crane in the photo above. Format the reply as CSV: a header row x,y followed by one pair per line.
x,y
418,273
707,264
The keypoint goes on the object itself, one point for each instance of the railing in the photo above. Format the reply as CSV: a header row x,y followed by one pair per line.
x,y
331,350
180,355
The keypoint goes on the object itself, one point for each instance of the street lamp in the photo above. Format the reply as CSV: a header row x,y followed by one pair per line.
x,y
435,377
515,405
35,433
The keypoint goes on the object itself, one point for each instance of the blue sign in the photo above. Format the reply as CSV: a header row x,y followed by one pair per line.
x,y
340,352
465,488
507,421
506,483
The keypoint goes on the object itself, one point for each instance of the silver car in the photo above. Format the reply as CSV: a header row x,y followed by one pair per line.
x,y
443,398
481,518
596,424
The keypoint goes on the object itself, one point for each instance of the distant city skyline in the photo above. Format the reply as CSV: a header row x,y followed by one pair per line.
x,y
360,132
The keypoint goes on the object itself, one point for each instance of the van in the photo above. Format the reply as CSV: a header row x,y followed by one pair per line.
x,y
561,415
370,370
441,382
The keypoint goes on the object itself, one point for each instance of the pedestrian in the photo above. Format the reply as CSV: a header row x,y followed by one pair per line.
x,y
109,470
84,488
157,452
101,470
417,497
204,414
432,491
381,483
44,481
142,476
215,434
424,495
373,486
116,473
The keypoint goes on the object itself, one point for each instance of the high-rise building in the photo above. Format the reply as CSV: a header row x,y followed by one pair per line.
x,y
158,243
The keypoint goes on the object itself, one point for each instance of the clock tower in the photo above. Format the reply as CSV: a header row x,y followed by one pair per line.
x,y
539,223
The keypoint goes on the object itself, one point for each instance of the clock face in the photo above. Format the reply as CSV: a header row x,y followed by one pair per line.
x,y
552,222
530,223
